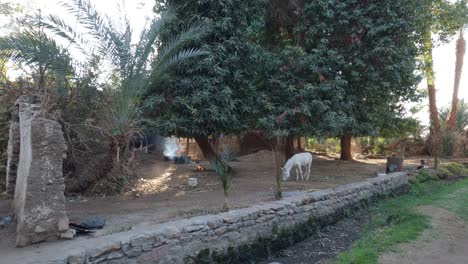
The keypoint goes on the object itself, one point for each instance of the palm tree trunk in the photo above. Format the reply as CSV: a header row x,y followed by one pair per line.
x,y
225,203
433,113
460,53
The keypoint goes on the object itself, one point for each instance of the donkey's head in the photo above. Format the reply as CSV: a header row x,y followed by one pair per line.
x,y
285,174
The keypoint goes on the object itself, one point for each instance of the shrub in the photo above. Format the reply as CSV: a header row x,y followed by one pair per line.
x,y
424,175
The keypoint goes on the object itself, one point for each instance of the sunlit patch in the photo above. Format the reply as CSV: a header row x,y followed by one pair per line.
x,y
157,185
180,193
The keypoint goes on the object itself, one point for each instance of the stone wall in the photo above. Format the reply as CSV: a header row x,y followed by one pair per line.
x,y
39,199
177,241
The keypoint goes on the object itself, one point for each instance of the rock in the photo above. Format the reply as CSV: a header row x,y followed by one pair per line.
x,y
77,257
63,224
39,229
221,231
193,228
215,223
171,232
130,251
39,200
94,222
142,240
115,255
192,182
69,234
104,249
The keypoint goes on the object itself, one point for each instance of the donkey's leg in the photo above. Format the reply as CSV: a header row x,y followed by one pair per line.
x,y
308,170
299,168
297,173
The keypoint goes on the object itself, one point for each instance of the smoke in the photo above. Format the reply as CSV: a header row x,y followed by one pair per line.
x,y
171,146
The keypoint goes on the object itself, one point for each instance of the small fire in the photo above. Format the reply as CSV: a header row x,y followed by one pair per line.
x,y
200,168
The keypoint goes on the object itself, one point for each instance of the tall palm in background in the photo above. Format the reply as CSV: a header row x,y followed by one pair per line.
x,y
460,50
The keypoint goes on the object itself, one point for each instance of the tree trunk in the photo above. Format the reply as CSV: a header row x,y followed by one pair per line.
x,y
433,113
289,148
460,53
299,145
278,150
187,147
346,147
206,148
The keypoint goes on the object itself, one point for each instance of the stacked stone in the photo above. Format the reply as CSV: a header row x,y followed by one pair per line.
x,y
177,241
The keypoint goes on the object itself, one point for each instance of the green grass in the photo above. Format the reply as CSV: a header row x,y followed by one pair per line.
x,y
395,220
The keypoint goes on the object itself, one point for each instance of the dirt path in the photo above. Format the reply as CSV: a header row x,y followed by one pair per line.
x,y
446,242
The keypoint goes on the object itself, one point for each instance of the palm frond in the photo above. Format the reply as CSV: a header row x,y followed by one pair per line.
x,y
33,47
170,52
161,66
221,167
59,27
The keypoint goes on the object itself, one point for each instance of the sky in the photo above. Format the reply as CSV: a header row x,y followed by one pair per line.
x,y
139,11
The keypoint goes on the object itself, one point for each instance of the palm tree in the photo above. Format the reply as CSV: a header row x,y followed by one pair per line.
x,y
221,167
37,50
460,50
130,62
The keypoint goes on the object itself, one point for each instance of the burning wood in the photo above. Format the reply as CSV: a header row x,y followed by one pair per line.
x,y
200,168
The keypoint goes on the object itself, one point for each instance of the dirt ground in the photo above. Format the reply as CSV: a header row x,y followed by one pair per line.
x,y
446,242
162,193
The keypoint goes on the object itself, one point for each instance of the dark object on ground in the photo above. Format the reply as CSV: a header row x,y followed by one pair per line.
x,y
166,158
394,164
422,165
4,221
182,160
80,229
94,222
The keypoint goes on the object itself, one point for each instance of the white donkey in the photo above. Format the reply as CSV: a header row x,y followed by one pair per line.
x,y
298,161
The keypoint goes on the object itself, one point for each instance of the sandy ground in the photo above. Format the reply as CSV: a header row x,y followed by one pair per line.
x,y
162,193
445,243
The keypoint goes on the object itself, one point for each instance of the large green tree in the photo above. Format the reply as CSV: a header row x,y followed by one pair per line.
x,y
377,45
208,96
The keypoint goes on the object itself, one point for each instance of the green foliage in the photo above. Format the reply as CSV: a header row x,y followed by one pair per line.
x,y
461,118
34,48
221,167
452,169
375,49
292,98
130,62
424,175
212,94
